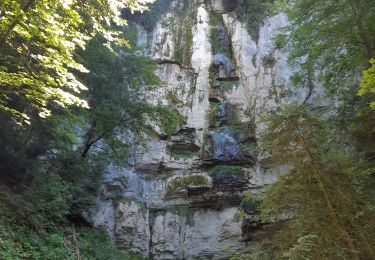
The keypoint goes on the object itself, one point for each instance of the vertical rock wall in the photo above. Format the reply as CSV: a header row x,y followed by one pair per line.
x,y
180,198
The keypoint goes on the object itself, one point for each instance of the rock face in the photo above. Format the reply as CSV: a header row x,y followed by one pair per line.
x,y
180,198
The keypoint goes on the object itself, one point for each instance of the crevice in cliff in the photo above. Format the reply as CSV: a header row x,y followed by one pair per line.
x,y
223,68
150,244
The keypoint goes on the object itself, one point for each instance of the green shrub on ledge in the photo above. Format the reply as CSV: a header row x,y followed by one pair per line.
x,y
233,170
181,183
181,154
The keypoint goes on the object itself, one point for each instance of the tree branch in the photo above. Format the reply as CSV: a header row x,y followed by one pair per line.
x,y
8,33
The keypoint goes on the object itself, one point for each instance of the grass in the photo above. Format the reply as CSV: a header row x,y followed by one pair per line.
x,y
196,180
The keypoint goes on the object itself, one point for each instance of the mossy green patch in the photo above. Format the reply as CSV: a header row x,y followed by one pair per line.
x,y
252,13
217,45
226,84
250,207
170,120
233,170
248,149
196,180
181,183
173,97
181,154
182,27
280,40
214,113
176,184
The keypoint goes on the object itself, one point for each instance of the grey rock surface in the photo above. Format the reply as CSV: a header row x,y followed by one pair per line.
x,y
167,204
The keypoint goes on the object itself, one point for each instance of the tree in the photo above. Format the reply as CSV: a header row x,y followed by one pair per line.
x,y
51,167
321,195
38,41
331,39
118,82
368,82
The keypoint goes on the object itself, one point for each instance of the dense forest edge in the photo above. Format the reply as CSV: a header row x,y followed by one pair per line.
x,y
72,89
70,81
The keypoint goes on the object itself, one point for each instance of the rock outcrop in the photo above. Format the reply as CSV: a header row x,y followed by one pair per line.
x,y
181,197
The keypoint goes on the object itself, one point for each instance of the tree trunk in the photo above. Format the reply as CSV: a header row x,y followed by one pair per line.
x,y
76,245
91,139
332,213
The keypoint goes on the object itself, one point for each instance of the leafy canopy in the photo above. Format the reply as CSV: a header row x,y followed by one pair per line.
x,y
330,40
38,42
368,82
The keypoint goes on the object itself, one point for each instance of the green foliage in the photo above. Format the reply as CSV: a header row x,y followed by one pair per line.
x,y
368,82
254,60
226,84
296,79
252,13
48,198
181,183
91,243
196,180
234,170
35,225
173,97
182,26
234,123
257,253
333,39
177,184
214,114
217,44
280,40
55,164
181,154
38,42
169,119
118,83
324,199
250,207
96,245
319,192
249,149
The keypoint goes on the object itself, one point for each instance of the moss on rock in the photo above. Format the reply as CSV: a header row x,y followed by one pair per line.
x,y
232,170
179,185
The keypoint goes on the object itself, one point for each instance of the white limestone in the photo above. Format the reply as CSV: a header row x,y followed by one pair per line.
x,y
133,206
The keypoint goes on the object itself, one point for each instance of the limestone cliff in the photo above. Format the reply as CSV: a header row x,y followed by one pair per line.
x,y
181,197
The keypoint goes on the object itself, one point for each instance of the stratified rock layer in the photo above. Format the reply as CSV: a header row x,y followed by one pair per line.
x,y
180,198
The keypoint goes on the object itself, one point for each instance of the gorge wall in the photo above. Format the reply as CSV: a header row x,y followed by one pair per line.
x,y
181,197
